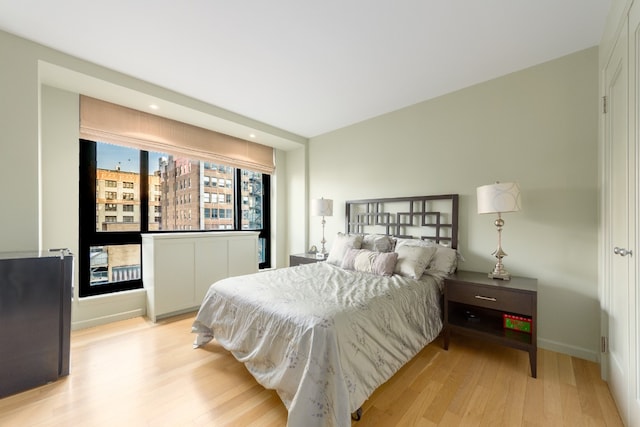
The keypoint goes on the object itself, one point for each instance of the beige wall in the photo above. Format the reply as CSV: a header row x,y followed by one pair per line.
x,y
19,174
39,148
538,127
297,207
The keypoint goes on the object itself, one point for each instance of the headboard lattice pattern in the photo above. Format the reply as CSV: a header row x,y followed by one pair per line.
x,y
433,218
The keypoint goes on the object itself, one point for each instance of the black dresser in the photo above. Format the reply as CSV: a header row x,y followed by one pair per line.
x,y
35,318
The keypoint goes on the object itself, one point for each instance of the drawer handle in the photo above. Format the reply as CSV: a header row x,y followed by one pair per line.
x,y
486,298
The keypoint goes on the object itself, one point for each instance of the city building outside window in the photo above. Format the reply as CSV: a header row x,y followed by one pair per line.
x,y
165,201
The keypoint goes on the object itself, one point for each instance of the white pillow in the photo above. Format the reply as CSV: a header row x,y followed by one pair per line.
x,y
341,245
377,243
413,242
413,260
445,260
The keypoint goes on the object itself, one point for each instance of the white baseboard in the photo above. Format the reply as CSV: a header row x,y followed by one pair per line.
x,y
579,352
107,319
177,313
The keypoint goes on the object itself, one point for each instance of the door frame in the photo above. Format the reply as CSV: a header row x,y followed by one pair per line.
x,y
629,28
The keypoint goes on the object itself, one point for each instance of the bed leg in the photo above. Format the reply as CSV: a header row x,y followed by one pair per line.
x,y
356,416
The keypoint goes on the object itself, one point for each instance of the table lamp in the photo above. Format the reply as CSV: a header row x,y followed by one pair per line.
x,y
499,198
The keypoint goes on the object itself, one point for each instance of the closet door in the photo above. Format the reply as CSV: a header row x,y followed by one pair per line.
x,y
618,278
634,138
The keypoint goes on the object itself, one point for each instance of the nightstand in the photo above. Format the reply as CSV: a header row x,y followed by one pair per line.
x,y
474,306
299,259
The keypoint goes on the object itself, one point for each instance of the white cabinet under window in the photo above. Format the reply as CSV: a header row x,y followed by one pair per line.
x,y
178,268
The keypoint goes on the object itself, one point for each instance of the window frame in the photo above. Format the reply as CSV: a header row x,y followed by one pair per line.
x,y
88,234
90,237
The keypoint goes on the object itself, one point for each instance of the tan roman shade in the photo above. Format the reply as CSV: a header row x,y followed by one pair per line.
x,y
111,123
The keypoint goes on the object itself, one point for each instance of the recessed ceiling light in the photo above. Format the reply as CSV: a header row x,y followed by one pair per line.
x,y
252,135
153,106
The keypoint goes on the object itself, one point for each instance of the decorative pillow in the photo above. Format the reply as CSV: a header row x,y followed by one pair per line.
x,y
341,245
413,260
377,242
445,260
412,242
379,263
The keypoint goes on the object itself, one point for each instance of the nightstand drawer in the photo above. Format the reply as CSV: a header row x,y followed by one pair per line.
x,y
490,297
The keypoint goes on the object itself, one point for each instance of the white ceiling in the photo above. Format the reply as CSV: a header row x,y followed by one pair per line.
x,y
310,67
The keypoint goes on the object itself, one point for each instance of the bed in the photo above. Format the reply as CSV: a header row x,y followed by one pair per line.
x,y
326,335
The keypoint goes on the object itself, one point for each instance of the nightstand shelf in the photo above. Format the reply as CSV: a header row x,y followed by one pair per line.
x,y
474,306
487,323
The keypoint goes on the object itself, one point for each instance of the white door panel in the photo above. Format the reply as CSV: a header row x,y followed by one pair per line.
x,y
634,138
617,138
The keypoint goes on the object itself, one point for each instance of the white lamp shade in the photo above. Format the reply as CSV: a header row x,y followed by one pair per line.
x,y
322,207
499,197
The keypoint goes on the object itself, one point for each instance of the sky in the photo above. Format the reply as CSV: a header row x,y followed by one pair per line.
x,y
111,156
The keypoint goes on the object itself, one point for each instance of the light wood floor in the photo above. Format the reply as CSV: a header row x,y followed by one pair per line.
x,y
136,373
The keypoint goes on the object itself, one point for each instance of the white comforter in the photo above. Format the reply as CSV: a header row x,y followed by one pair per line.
x,y
324,338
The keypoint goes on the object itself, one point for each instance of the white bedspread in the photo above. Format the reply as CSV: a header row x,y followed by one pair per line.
x,y
324,338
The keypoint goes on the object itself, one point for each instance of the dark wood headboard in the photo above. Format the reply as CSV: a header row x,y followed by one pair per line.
x,y
433,218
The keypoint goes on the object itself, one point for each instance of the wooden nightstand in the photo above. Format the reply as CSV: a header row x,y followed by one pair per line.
x,y
298,259
474,305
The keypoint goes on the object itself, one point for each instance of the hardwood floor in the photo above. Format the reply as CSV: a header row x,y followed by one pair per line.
x,y
136,373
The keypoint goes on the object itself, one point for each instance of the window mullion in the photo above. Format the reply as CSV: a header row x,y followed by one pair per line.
x,y
237,186
144,191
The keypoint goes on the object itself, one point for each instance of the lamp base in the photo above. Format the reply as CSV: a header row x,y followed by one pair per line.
x,y
499,272
501,276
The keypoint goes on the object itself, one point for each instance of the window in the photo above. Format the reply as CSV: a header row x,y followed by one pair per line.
x,y
168,200
111,184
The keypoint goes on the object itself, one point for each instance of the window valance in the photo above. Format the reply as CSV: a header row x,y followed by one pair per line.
x,y
111,123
